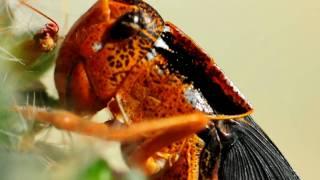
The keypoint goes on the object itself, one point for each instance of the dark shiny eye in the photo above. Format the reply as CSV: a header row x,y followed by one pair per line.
x,y
127,26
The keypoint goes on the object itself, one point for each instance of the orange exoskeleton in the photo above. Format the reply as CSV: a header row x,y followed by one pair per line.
x,y
182,118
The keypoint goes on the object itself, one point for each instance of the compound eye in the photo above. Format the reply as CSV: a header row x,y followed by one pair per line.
x,y
127,26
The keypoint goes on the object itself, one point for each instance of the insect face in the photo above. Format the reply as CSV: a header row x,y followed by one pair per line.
x,y
101,49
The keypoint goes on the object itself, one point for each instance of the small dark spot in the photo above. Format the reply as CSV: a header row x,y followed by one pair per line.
x,y
130,44
131,53
118,64
126,62
141,41
145,83
140,57
113,78
142,53
122,56
112,63
110,58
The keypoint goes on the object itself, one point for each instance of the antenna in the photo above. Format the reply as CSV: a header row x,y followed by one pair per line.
x,y
39,12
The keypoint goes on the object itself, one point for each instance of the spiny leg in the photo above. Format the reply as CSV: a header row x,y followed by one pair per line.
x,y
156,133
71,122
141,156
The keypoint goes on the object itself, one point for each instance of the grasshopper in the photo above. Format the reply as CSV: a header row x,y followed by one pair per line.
x,y
181,117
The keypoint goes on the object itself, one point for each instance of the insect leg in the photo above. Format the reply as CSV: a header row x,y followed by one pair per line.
x,y
156,133
179,131
183,125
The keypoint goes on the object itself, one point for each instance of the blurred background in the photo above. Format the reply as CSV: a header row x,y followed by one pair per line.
x,y
269,49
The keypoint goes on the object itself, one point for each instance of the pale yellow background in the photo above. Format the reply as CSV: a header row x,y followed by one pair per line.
x,y
270,49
